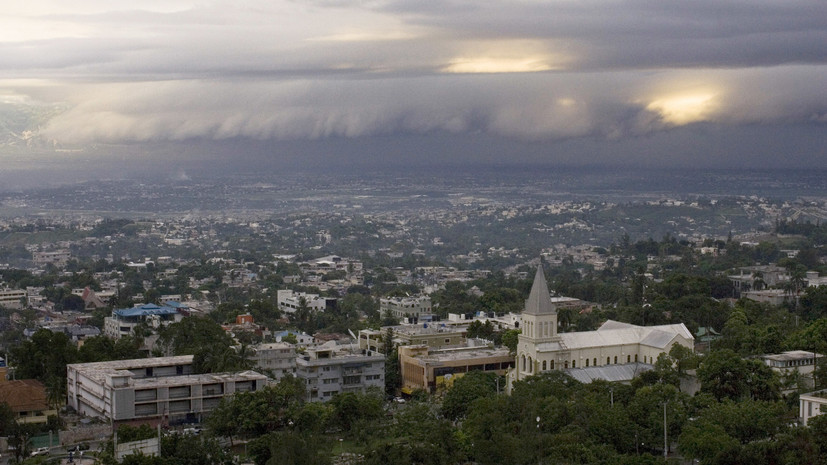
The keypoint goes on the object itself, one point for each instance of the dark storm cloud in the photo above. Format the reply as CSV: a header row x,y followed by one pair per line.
x,y
526,70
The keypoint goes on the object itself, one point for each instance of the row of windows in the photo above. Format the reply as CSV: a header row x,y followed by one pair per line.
x,y
528,364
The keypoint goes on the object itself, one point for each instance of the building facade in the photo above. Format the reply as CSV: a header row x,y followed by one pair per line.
x,y
406,306
330,369
123,321
276,360
810,405
431,369
151,390
13,299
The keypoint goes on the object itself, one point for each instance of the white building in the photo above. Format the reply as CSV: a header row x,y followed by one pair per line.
x,y
801,361
405,306
330,369
277,359
541,348
811,404
151,390
289,301
123,321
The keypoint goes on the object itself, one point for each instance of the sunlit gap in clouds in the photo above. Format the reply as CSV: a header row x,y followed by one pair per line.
x,y
685,108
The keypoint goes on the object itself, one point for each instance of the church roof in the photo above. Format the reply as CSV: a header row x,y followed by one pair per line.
x,y
615,333
614,373
539,300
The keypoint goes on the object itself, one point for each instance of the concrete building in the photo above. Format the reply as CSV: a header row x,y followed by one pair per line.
x,y
330,369
430,369
151,390
769,296
123,321
794,360
811,404
13,299
406,306
58,258
432,335
276,360
289,301
541,348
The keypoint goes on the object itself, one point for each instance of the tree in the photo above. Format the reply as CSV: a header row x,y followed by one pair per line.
x,y
393,375
510,339
466,389
726,375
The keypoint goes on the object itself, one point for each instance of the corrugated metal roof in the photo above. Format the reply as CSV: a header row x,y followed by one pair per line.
x,y
615,373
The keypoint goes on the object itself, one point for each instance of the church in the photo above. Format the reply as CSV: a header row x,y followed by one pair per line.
x,y
615,352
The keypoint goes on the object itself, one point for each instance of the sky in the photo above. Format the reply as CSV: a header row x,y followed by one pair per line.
x,y
661,82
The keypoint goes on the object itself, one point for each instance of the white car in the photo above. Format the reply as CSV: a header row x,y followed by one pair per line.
x,y
40,451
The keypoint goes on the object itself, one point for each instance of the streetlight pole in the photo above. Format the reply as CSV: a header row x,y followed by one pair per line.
x,y
665,444
540,444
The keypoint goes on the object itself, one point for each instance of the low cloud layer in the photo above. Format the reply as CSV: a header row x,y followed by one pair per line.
x,y
528,70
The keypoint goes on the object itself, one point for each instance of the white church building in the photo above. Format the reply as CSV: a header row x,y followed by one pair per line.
x,y
615,351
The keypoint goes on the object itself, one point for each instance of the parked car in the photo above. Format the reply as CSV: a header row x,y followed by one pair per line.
x,y
40,451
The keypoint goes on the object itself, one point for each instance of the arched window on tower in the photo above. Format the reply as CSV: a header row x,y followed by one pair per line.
x,y
595,361
635,358
615,359
530,365
587,363
608,360
544,365
574,363
551,366
522,361
566,364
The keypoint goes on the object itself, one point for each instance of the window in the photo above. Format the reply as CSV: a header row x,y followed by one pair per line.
x,y
566,364
595,361
552,364
608,361
544,365
574,363
351,379
326,369
587,363
628,358
635,358
615,359
149,372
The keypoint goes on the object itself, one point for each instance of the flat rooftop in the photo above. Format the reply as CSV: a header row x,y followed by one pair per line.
x,y
464,353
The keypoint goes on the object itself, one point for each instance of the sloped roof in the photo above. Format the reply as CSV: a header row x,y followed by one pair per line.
x,y
539,300
24,395
625,372
614,333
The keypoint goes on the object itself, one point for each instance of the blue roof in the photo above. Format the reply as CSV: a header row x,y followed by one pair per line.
x,y
146,310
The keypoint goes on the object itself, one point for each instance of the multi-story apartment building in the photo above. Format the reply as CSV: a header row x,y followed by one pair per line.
x,y
57,258
13,299
123,321
406,306
433,335
289,301
330,369
151,390
277,360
